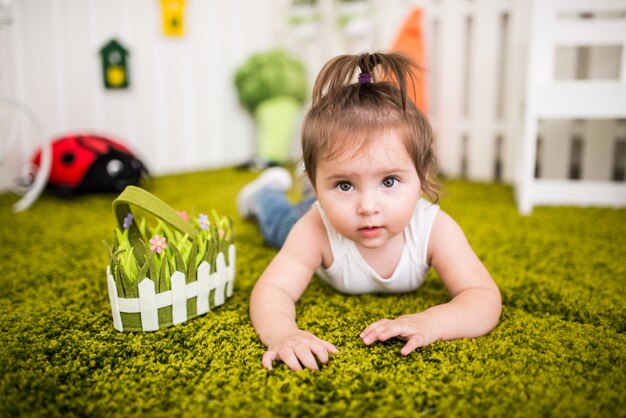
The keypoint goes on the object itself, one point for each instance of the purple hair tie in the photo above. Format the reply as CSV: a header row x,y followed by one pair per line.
x,y
365,78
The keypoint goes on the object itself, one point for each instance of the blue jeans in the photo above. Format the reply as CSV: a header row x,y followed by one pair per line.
x,y
276,215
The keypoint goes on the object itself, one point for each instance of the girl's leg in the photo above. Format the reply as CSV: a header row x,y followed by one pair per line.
x,y
264,199
276,214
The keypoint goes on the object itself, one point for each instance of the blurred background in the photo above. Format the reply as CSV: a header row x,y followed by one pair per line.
x,y
529,93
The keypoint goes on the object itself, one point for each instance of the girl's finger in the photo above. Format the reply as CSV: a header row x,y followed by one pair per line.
x,y
384,332
306,358
414,342
320,351
268,357
330,348
323,350
372,327
288,357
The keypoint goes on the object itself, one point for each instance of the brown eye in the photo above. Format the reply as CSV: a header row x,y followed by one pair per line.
x,y
344,186
389,181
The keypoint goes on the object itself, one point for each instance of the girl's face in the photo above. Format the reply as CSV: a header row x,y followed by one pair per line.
x,y
370,197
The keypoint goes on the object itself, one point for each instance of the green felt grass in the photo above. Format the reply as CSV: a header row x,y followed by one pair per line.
x,y
559,349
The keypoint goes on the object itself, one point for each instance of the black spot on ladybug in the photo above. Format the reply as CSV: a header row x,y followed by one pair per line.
x,y
68,158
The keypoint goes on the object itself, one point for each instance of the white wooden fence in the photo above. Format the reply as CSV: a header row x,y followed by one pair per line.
x,y
589,96
478,84
149,302
181,112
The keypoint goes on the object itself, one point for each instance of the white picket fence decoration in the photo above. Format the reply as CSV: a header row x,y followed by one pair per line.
x,y
149,302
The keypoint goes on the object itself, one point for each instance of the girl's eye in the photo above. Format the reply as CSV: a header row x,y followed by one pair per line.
x,y
344,186
389,181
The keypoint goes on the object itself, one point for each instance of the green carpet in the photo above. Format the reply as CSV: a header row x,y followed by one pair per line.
x,y
559,349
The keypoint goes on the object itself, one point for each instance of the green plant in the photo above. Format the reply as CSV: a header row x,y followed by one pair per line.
x,y
270,74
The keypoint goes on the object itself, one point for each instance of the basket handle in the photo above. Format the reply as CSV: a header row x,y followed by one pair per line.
x,y
148,202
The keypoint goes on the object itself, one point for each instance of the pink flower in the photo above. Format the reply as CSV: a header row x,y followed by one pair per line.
x,y
183,215
158,244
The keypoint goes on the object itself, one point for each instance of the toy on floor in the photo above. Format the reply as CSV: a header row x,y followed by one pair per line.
x,y
91,164
272,86
163,274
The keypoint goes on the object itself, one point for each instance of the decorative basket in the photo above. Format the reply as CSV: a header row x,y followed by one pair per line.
x,y
185,270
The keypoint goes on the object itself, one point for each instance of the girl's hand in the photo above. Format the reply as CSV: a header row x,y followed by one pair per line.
x,y
297,349
418,330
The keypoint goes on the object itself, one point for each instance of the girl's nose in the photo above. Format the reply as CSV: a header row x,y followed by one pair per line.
x,y
367,204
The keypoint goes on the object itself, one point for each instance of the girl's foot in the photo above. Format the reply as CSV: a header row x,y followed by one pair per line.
x,y
276,178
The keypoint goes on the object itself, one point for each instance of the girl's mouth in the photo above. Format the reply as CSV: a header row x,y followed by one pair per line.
x,y
370,231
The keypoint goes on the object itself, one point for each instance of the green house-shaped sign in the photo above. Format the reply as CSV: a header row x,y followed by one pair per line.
x,y
114,65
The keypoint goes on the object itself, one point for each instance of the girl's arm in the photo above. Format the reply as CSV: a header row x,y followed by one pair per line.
x,y
474,309
272,304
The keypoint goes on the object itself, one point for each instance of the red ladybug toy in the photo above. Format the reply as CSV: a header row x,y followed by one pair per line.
x,y
91,164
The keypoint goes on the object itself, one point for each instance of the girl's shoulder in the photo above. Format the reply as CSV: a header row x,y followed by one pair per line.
x,y
310,233
425,205
424,216
311,222
446,234
316,233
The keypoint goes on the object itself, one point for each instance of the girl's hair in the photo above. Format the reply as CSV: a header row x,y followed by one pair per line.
x,y
346,115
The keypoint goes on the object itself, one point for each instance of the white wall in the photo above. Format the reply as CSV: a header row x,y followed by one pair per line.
x,y
181,111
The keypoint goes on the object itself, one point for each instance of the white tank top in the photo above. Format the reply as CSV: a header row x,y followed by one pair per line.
x,y
351,274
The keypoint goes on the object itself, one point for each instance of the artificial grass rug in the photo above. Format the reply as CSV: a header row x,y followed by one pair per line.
x,y
559,349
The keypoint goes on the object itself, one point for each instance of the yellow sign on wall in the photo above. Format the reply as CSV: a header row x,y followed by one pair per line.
x,y
173,17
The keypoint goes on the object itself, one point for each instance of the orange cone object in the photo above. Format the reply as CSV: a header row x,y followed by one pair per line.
x,y
410,42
